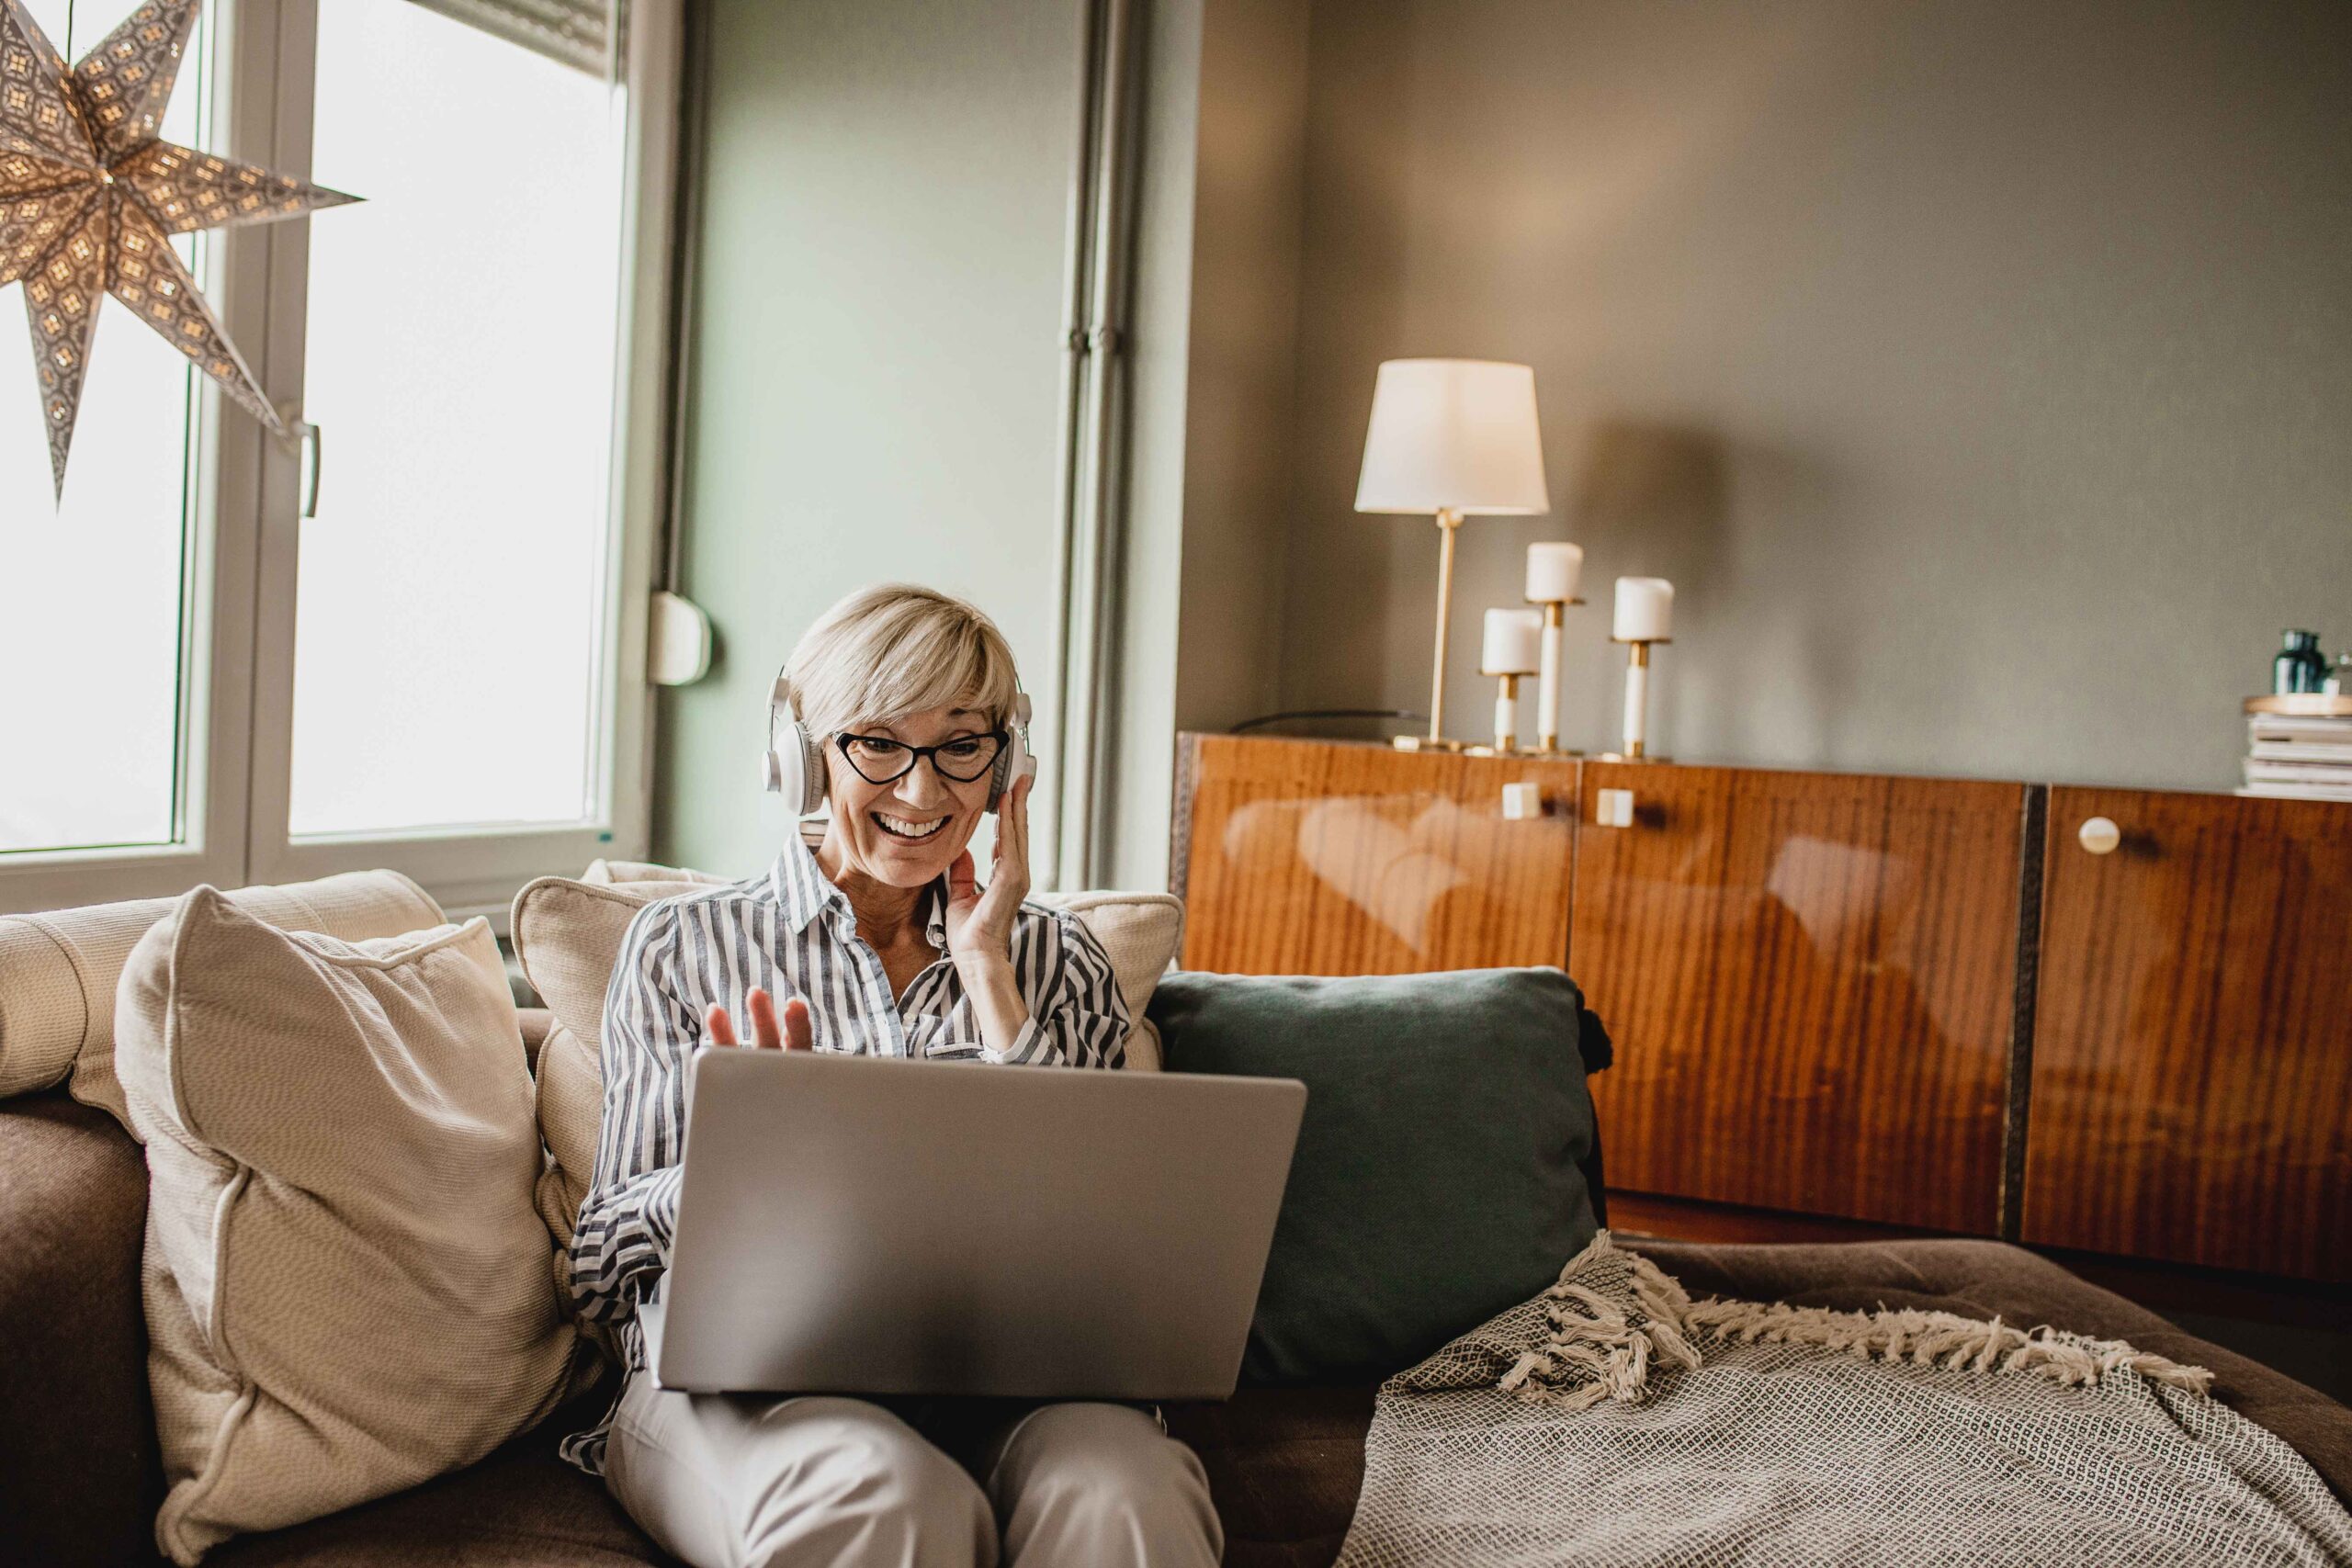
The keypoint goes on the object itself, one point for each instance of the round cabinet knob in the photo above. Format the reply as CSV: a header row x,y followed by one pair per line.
x,y
2100,836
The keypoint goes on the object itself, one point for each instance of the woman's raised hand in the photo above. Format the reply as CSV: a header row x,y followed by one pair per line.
x,y
793,1035
979,920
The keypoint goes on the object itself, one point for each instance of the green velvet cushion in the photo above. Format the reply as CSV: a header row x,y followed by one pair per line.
x,y
1437,1178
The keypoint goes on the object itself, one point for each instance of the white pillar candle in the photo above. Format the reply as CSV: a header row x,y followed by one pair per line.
x,y
1555,568
1547,691
1645,610
1513,642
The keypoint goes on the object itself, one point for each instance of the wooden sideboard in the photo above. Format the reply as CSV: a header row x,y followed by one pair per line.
x,y
2192,1058
1914,1003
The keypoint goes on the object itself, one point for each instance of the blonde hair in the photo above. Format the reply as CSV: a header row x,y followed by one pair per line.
x,y
894,649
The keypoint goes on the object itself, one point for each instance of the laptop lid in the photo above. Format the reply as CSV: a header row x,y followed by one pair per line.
x,y
869,1226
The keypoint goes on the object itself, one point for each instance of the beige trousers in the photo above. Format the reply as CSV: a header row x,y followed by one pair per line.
x,y
743,1481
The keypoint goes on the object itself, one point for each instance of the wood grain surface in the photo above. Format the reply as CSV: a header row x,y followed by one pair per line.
x,y
1687,1219
1312,857
2192,1067
1808,978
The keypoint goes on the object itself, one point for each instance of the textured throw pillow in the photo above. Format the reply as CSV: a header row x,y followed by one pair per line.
x,y
568,936
58,970
346,1285
1437,1178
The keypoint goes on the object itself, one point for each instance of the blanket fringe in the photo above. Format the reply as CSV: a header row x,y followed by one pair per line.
x,y
1601,1341
1596,1351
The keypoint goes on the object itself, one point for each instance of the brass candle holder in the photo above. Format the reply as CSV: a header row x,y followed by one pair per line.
x,y
1505,718
1637,699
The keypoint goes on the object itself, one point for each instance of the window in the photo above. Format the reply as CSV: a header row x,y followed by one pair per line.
x,y
414,639
102,574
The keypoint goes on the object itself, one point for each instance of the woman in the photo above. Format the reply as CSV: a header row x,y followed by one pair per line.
x,y
881,941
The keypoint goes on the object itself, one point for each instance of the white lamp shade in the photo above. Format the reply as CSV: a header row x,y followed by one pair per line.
x,y
1452,434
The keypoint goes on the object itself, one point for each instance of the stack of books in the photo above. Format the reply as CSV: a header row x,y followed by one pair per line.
x,y
2299,756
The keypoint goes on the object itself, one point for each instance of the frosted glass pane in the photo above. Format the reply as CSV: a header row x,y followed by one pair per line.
x,y
90,590
460,354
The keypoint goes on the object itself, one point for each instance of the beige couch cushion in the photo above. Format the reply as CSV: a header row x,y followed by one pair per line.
x,y
568,935
58,971
621,873
571,1112
345,1283
1140,932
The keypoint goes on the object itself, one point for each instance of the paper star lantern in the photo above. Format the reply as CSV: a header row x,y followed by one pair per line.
x,y
90,195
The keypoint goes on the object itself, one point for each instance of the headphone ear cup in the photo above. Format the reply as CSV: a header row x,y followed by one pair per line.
x,y
1012,763
812,770
788,769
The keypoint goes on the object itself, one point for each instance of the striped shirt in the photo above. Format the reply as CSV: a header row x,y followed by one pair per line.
x,y
793,932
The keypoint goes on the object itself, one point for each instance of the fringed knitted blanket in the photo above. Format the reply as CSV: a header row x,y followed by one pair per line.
x,y
1612,1421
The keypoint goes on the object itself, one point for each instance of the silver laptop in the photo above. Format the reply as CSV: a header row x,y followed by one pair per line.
x,y
851,1225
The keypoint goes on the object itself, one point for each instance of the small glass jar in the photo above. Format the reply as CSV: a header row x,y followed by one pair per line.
x,y
2299,667
2338,683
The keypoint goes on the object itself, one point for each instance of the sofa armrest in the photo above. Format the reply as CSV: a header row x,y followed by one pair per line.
x,y
79,1476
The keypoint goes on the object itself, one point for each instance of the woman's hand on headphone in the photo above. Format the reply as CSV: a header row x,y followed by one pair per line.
x,y
979,920
795,1034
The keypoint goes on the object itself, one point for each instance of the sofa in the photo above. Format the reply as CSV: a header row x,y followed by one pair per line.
x,y
80,1479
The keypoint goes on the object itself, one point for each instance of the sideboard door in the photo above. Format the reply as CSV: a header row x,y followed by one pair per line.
x,y
1810,980
2192,1056
1310,857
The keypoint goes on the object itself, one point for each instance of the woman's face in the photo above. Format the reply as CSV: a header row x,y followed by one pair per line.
x,y
907,831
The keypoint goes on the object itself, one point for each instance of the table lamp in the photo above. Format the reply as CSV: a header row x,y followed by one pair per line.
x,y
1456,438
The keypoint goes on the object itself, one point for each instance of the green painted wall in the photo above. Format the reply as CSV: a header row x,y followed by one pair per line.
x,y
876,356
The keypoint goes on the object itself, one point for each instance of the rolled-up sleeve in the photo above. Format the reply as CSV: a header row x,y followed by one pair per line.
x,y
630,1215
1076,1018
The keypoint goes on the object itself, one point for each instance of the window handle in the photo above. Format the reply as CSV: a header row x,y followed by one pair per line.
x,y
314,448
294,430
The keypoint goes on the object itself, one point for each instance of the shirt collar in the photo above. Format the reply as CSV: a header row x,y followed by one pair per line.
x,y
803,891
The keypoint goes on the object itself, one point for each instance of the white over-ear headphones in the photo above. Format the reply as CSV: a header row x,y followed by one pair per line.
x,y
796,762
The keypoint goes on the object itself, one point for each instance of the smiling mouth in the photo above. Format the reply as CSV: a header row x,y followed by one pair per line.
x,y
901,828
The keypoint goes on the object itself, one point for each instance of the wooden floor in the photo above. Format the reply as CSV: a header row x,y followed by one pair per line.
x,y
2302,1330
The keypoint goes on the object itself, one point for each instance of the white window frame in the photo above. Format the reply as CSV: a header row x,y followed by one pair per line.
x,y
238,640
